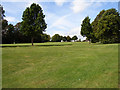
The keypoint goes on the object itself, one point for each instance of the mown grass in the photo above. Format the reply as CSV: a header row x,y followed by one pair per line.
x,y
60,65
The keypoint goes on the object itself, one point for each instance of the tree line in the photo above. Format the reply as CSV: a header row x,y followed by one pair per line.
x,y
104,29
58,38
30,29
13,34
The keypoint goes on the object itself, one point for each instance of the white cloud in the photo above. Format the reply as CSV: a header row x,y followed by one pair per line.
x,y
64,26
79,6
23,0
74,31
50,17
58,32
31,2
60,2
11,19
61,23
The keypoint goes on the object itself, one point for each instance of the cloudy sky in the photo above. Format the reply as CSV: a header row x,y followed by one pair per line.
x,y
63,17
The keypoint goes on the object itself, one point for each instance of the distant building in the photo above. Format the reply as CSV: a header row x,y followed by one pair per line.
x,y
72,41
85,41
62,41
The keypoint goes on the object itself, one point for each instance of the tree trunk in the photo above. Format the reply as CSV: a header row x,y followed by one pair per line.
x,y
32,41
90,41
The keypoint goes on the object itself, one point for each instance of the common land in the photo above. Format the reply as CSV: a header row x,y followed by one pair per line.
x,y
60,65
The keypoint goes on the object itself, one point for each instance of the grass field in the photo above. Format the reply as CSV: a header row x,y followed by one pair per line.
x,y
60,65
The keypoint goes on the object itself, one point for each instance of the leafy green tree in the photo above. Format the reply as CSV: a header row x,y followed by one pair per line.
x,y
95,26
74,38
4,30
19,36
33,21
56,38
4,24
64,38
17,26
95,22
45,38
86,28
61,37
108,27
10,34
68,38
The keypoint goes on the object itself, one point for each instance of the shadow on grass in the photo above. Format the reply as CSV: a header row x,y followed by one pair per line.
x,y
35,45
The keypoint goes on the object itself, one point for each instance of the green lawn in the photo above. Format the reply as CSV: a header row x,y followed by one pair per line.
x,y
60,65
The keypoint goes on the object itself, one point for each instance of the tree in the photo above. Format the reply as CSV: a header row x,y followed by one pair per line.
x,y
17,26
10,34
64,38
86,28
95,26
19,36
68,38
17,32
45,38
4,25
74,38
95,22
33,21
79,40
56,38
61,37
108,27
4,30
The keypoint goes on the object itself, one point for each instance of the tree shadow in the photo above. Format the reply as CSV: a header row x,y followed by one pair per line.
x,y
37,45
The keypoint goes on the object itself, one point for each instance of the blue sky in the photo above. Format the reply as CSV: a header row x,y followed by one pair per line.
x,y
63,17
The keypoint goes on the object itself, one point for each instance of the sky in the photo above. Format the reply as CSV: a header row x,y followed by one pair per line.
x,y
63,17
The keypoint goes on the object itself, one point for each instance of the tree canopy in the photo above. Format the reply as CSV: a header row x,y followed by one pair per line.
x,y
45,38
105,27
86,28
108,27
56,38
33,21
74,38
68,38
64,38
